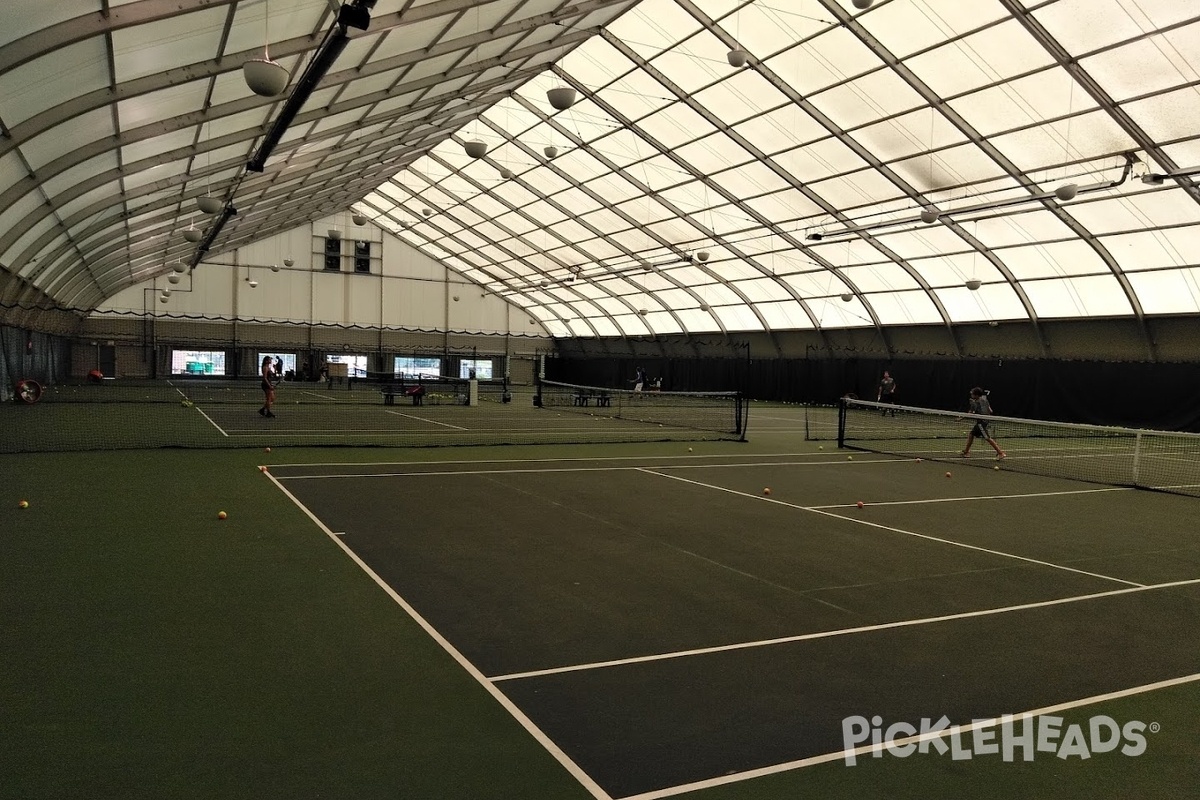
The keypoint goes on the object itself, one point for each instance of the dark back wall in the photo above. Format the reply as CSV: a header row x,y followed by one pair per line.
x,y
1164,396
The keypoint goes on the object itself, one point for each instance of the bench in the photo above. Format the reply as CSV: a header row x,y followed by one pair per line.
x,y
584,397
389,393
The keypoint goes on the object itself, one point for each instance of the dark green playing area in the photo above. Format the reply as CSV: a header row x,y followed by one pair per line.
x,y
609,621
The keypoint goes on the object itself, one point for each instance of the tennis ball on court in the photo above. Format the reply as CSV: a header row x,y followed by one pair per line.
x,y
262,468
767,491
997,468
849,458
23,504
221,515
919,460
690,450
859,504
820,447
266,449
947,474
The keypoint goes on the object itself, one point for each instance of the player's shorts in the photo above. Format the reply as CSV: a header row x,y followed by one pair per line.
x,y
981,430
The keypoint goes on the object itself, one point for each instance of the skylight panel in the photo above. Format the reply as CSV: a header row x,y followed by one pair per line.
x,y
1168,292
904,308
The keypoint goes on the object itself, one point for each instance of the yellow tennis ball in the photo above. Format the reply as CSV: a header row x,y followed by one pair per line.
x,y
23,504
767,491
849,458
997,468
820,447
221,515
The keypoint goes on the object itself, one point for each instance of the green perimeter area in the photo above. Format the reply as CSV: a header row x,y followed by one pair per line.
x,y
151,650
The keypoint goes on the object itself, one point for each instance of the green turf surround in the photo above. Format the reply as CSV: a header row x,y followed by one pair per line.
x,y
151,651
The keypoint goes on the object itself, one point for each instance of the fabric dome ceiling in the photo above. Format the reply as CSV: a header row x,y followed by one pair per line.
x,y
890,166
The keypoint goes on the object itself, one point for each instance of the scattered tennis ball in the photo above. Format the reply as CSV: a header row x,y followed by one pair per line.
x,y
919,460
266,449
690,450
820,447
262,468
859,504
23,504
997,468
947,474
767,491
849,458
221,515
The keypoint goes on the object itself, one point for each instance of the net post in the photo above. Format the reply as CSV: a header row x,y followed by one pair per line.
x,y
841,439
1137,455
742,413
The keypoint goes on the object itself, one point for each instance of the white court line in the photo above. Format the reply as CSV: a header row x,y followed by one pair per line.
x,y
553,460
423,419
631,468
576,772
804,637
894,529
215,425
365,431
775,769
314,394
977,497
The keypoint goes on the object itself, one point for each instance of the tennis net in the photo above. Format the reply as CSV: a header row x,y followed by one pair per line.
x,y
716,415
1149,459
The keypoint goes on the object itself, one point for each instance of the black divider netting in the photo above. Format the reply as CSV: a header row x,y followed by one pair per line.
x,y
385,411
712,415
1149,459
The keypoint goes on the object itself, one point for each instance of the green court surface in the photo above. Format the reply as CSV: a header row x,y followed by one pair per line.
x,y
606,621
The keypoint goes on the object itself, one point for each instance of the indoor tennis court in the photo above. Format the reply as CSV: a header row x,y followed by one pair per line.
x,y
627,605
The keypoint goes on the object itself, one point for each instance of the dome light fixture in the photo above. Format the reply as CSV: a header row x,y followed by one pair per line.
x,y
334,233
863,5
550,150
506,173
737,58
475,148
173,278
426,212
643,311
929,215
359,219
561,97
974,284
265,77
163,298
274,268
179,267
703,255
287,262
208,204
847,297
193,234
253,284
1067,191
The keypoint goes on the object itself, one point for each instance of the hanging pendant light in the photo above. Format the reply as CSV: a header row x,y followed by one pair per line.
x,y
737,58
192,233
287,262
703,255
847,297
209,205
561,97
179,267
974,284
1067,191
359,219
265,77
550,150
506,173
475,148
930,215
173,278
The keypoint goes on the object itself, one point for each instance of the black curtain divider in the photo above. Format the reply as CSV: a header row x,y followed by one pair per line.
x,y
1132,394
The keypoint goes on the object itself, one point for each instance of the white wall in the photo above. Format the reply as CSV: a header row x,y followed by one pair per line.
x,y
405,288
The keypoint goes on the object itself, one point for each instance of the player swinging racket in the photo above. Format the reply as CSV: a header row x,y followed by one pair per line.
x,y
981,406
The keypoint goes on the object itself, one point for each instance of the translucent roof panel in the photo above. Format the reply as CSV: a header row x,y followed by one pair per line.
x,y
888,154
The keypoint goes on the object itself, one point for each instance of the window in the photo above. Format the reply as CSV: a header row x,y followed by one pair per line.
x,y
481,366
356,366
333,255
362,256
198,362
417,367
288,359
